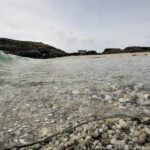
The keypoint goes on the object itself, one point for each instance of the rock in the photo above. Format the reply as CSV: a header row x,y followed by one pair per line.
x,y
142,138
105,135
146,96
123,124
94,96
53,121
96,133
3,145
126,147
22,141
88,138
121,100
75,92
98,147
109,146
29,49
45,131
79,129
96,142
138,87
146,110
101,130
147,130
108,97
113,141
112,51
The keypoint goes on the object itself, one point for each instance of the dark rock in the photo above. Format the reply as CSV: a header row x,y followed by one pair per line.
x,y
29,49
132,49
112,51
92,52
82,52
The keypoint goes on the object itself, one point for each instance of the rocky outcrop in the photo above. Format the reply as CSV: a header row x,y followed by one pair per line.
x,y
83,52
132,49
136,49
112,51
30,49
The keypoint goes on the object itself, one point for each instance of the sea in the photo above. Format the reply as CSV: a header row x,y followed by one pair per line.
x,y
39,97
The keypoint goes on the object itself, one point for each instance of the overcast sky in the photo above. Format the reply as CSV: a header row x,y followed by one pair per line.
x,y
77,24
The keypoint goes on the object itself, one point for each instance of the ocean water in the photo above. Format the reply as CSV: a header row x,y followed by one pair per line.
x,y
41,97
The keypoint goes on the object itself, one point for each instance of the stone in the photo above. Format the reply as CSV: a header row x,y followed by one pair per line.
x,y
101,130
96,133
146,96
123,124
121,100
147,130
126,147
142,138
105,135
75,92
22,141
109,146
107,97
79,129
88,138
94,96
113,141
96,142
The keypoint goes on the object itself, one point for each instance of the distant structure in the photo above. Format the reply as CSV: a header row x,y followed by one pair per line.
x,y
82,52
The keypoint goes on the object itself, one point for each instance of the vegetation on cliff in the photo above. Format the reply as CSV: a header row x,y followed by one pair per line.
x,y
29,49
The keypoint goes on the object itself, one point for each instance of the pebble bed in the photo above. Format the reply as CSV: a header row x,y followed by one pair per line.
x,y
111,133
62,93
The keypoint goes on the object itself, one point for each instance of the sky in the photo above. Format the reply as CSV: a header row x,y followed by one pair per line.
x,y
77,24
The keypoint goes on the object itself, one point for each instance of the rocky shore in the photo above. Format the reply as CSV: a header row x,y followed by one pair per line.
x,y
42,51
62,103
111,133
120,130
29,49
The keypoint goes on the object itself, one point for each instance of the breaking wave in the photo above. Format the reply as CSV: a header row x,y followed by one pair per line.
x,y
9,58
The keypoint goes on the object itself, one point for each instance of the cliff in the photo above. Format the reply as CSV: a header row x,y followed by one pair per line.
x,y
29,49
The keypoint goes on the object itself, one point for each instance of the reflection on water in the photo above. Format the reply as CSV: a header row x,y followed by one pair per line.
x,y
38,97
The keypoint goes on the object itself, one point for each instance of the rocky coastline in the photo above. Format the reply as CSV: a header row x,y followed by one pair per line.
x,y
43,51
30,49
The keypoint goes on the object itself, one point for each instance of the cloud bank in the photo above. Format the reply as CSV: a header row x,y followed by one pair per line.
x,y
77,24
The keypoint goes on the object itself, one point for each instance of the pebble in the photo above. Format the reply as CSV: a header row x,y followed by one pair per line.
x,y
101,130
109,146
123,124
100,136
75,92
142,138
22,141
121,100
88,138
108,97
146,96
147,130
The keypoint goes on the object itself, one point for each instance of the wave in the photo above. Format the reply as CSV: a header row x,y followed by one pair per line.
x,y
9,58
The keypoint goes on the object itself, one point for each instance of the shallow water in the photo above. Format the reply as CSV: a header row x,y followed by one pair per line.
x,y
41,97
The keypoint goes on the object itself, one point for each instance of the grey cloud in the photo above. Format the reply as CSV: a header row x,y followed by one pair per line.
x,y
77,24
